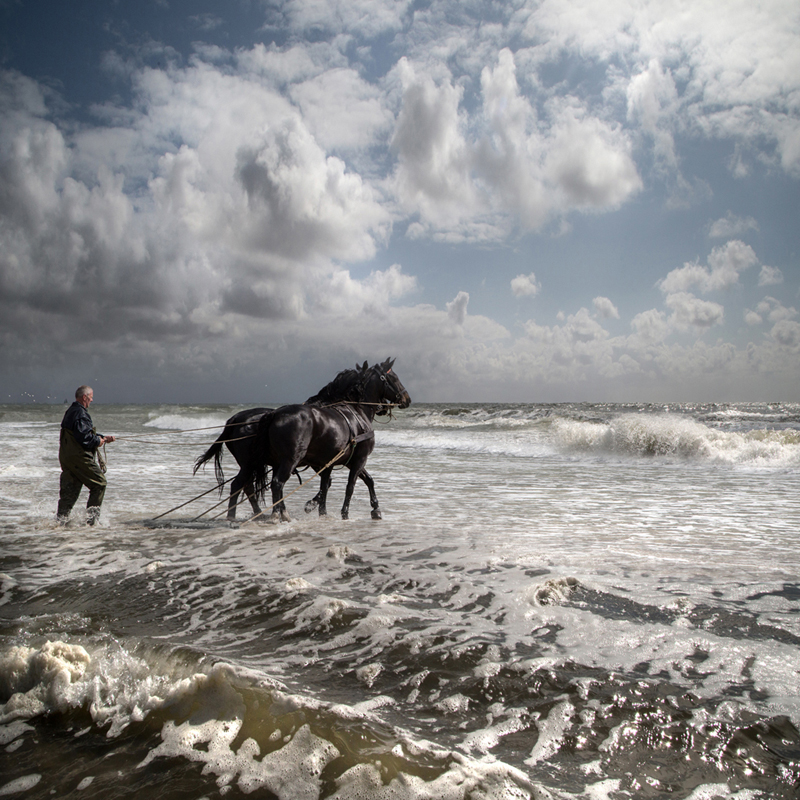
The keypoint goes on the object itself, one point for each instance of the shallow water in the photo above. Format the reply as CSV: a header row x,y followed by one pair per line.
x,y
577,601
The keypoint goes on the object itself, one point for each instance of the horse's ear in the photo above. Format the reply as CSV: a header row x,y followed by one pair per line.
x,y
388,364
365,365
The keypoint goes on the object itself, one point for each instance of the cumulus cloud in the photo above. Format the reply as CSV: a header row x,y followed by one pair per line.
x,y
538,167
787,334
653,103
769,276
731,226
367,18
690,311
590,161
457,308
774,310
752,318
525,285
739,72
303,203
433,159
650,326
605,308
529,166
342,110
725,264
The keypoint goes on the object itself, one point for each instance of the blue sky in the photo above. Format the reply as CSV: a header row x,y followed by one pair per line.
x,y
528,201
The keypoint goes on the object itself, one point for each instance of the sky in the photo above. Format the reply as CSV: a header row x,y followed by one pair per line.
x,y
522,201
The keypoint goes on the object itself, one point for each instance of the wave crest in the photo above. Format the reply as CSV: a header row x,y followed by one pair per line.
x,y
678,437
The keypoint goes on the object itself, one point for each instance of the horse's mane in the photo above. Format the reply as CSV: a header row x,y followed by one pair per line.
x,y
347,385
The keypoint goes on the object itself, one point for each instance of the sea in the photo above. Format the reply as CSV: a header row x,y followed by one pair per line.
x,y
563,601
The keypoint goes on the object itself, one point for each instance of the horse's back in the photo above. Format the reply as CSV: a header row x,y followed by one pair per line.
x,y
307,435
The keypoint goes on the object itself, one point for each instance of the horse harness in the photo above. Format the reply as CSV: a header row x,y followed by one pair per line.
x,y
355,438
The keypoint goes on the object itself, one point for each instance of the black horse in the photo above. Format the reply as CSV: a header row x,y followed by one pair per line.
x,y
333,428
239,436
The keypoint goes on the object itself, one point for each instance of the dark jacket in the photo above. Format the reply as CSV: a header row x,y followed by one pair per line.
x,y
78,422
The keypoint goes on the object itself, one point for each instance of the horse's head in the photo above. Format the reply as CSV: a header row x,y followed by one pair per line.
x,y
385,387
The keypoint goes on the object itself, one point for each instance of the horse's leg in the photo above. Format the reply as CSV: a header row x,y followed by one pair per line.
x,y
324,484
250,491
280,475
312,503
348,492
236,487
373,498
319,500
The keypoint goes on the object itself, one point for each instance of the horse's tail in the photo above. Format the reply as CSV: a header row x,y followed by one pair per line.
x,y
215,452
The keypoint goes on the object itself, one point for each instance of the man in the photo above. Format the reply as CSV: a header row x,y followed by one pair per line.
x,y
77,454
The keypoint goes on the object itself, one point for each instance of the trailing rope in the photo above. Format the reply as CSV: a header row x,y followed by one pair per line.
x,y
179,444
213,489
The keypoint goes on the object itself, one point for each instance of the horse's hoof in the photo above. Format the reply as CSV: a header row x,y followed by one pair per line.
x,y
310,506
285,517
376,513
274,518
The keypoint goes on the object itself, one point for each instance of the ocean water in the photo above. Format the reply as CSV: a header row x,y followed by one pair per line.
x,y
561,601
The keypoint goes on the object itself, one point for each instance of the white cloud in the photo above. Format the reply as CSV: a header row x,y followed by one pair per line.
x,y
650,327
605,308
725,263
751,318
303,205
367,18
457,308
653,103
433,160
787,334
345,298
690,311
590,162
769,276
342,110
774,310
525,285
739,71
731,226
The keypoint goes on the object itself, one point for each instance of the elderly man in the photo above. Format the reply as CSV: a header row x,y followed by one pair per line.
x,y
77,454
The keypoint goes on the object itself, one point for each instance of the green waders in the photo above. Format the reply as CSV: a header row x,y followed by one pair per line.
x,y
79,468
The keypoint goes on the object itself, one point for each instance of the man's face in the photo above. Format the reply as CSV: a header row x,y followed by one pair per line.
x,y
86,399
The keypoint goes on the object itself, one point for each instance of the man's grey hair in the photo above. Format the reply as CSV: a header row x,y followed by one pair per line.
x,y
83,390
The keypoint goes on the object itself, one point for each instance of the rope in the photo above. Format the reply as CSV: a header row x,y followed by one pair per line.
x,y
243,496
189,430
213,489
180,444
216,505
